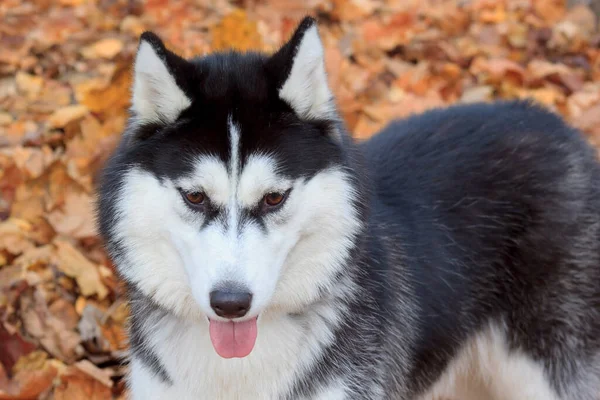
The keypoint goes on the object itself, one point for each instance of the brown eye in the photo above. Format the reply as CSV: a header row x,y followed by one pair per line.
x,y
274,199
195,197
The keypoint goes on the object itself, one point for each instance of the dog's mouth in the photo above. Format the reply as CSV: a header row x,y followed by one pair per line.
x,y
233,339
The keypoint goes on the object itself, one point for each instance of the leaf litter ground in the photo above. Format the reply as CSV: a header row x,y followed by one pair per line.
x,y
65,74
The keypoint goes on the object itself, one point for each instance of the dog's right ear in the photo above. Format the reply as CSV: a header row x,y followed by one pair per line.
x,y
299,68
157,96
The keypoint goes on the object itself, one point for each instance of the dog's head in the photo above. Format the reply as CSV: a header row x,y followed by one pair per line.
x,y
230,193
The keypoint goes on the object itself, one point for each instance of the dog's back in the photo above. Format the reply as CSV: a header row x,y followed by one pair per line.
x,y
495,210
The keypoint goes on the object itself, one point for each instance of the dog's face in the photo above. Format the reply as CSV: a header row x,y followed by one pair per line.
x,y
229,194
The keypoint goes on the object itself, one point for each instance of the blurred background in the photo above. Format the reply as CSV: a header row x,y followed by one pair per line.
x,y
65,75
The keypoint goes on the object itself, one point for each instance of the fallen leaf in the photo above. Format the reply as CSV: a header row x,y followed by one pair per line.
x,y
12,348
65,312
387,36
28,383
98,374
132,25
105,48
33,161
90,327
5,118
72,3
29,201
549,10
34,256
61,117
100,95
589,120
546,96
28,84
494,16
74,264
539,69
76,218
236,31
14,236
65,88
76,384
351,10
496,70
583,18
476,94
51,332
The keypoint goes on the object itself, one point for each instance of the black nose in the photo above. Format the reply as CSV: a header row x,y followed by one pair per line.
x,y
230,304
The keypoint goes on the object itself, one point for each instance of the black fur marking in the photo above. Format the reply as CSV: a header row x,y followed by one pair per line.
x,y
269,125
143,307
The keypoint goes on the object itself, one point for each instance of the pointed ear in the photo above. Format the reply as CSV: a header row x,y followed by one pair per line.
x,y
156,95
300,69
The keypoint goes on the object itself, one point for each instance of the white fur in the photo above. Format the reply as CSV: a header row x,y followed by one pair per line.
x,y
260,177
486,368
233,206
156,96
211,177
284,348
306,89
174,260
337,390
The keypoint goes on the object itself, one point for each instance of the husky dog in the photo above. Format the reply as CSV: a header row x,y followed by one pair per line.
x,y
454,255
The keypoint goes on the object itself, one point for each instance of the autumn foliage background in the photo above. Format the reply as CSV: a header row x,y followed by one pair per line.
x,y
65,74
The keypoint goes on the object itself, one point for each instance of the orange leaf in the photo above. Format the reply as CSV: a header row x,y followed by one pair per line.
x,y
28,383
236,31
78,385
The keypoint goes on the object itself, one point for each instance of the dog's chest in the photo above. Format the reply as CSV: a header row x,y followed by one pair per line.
x,y
282,353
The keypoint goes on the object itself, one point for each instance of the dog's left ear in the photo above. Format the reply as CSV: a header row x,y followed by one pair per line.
x,y
299,68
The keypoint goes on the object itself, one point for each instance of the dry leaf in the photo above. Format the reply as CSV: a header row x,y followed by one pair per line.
x,y
29,84
105,48
5,118
90,327
539,69
76,384
76,217
396,32
100,95
61,117
28,383
33,161
12,347
589,120
98,374
236,31
65,81
351,10
29,201
133,25
65,312
74,264
498,69
477,94
14,235
550,10
51,332
583,18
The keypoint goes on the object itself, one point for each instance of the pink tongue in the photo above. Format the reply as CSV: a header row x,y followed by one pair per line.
x,y
233,339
